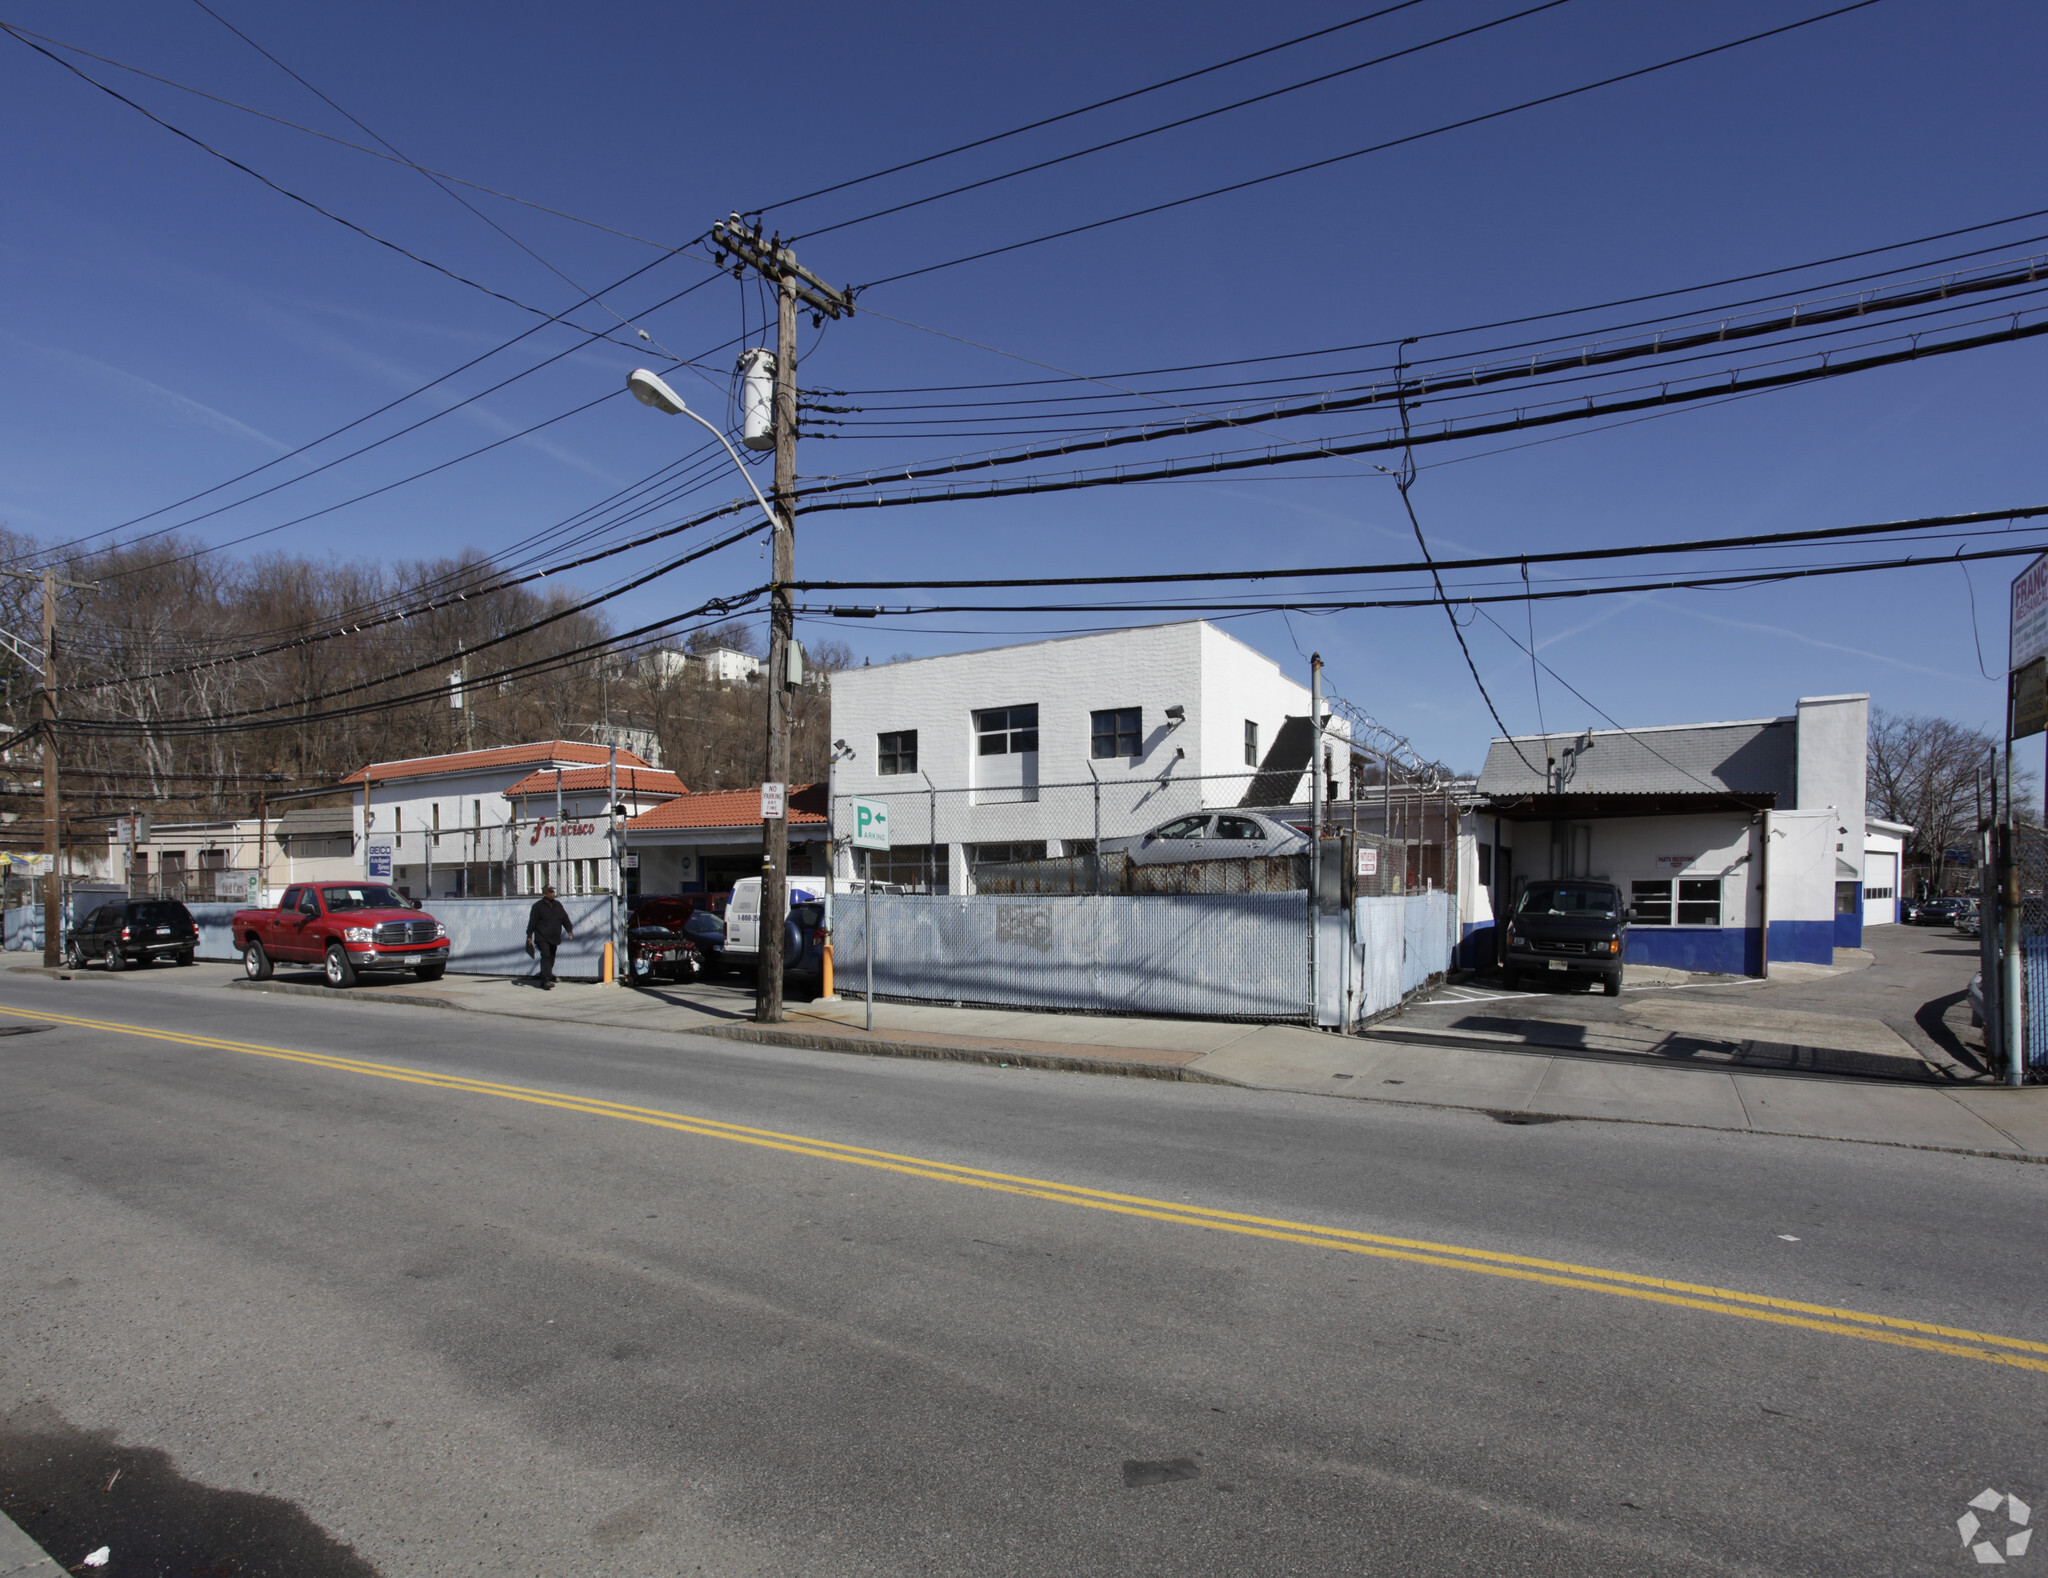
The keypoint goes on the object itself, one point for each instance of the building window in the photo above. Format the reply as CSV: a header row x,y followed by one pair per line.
x,y
213,860
1113,733
896,753
1006,731
1877,893
1006,854
1699,902
1251,743
920,867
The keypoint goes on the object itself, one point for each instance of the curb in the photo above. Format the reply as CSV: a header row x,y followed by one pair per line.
x,y
953,1052
299,989
1470,1042
21,1557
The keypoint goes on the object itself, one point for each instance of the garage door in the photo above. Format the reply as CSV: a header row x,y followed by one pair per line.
x,y
1880,889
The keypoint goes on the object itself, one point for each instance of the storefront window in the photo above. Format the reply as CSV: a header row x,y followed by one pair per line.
x,y
1699,901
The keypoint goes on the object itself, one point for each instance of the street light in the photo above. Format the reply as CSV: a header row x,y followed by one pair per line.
x,y
649,390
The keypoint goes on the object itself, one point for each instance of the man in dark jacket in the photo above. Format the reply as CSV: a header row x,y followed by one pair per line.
x,y
547,923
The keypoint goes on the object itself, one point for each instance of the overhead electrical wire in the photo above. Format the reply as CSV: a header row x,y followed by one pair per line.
x,y
1379,147
1186,120
1085,109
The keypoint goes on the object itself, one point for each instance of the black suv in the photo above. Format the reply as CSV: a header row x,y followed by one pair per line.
x,y
1566,931
133,933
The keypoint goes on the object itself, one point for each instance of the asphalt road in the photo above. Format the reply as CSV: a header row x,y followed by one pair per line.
x,y
343,1289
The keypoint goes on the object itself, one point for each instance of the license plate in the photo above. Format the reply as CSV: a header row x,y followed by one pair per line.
x,y
1559,964
163,931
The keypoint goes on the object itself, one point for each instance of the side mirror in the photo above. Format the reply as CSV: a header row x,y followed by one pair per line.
x,y
1628,914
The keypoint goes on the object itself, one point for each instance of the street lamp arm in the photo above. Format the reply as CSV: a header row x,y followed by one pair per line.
x,y
652,391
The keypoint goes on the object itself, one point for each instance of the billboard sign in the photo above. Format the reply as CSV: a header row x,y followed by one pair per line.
x,y
2030,699
2029,614
379,855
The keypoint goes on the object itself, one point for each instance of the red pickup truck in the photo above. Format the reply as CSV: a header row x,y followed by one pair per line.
x,y
349,927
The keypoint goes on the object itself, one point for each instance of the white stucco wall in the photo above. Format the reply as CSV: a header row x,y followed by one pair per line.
x,y
1833,757
1214,677
1625,850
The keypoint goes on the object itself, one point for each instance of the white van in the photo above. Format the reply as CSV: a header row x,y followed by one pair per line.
x,y
743,914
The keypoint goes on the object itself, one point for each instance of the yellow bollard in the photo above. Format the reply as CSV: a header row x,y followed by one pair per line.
x,y
825,980
605,972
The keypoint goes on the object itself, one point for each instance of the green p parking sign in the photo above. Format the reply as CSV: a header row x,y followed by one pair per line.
x,y
870,824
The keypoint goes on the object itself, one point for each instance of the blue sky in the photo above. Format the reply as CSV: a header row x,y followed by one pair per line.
x,y
175,323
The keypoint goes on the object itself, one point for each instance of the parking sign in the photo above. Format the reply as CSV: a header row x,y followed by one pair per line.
x,y
870,824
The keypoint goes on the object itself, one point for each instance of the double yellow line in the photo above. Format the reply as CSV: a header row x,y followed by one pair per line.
x,y
1956,1342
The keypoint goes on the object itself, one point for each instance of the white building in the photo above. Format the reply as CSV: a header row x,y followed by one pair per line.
x,y
562,824
720,666
442,827
704,843
1040,749
1735,843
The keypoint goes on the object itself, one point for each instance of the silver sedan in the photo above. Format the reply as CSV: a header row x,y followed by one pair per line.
x,y
1211,835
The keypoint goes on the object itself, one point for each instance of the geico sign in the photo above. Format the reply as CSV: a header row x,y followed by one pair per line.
x,y
568,830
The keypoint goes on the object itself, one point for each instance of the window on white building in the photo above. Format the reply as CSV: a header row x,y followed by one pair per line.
x,y
1114,732
1006,731
1251,743
1698,901
896,753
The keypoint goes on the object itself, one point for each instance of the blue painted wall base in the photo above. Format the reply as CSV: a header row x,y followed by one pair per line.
x,y
1480,948
1848,931
1803,941
1720,950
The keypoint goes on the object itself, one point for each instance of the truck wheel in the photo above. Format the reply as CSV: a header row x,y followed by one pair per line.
x,y
116,959
184,958
1611,986
255,962
1510,979
73,959
340,973
432,972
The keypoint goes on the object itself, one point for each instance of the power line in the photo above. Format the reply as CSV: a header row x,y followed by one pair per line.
x,y
312,131
1186,120
1066,115
1313,450
285,191
1381,147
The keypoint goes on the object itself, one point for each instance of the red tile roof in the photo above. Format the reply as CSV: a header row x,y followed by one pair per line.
x,y
729,808
642,780
531,754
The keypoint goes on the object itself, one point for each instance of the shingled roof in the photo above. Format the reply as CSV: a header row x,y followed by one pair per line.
x,y
632,780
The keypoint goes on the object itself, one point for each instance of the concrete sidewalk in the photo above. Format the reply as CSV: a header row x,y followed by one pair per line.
x,y
1513,1081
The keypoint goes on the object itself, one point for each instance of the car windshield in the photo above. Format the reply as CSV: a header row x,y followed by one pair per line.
x,y
370,896
704,924
1587,900
162,915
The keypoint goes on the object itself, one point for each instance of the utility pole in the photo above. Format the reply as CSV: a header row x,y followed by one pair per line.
x,y
53,929
796,288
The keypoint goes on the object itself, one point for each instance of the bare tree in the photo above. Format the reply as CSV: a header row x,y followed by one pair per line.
x,y
1929,774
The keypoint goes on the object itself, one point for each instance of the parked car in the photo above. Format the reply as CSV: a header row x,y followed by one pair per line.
x,y
1977,999
739,951
140,931
1567,930
1211,835
1970,921
655,953
347,928
1936,912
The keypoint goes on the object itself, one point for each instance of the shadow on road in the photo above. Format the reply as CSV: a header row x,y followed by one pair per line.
x,y
74,1490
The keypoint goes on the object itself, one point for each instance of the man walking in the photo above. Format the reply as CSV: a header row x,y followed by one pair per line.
x,y
547,923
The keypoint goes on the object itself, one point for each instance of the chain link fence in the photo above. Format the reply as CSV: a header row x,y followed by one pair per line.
x,y
1178,895
2030,854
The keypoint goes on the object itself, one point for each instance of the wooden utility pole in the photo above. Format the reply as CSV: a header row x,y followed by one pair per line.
x,y
796,288
53,804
